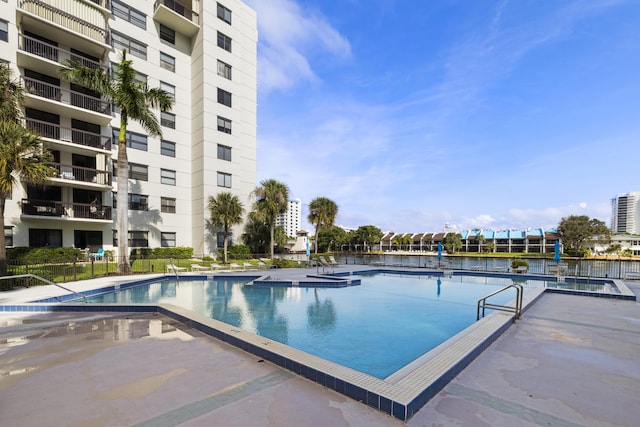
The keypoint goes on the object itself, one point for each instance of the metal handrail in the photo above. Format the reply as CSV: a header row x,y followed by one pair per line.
x,y
48,282
517,310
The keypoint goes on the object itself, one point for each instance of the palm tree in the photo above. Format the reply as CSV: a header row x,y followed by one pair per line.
x,y
11,96
134,100
226,211
272,198
22,155
322,213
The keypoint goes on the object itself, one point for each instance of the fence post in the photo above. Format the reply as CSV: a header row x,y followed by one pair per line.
x,y
93,275
75,276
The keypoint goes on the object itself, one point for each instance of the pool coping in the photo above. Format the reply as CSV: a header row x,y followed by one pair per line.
x,y
400,395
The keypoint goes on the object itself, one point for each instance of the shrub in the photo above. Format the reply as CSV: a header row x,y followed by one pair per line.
x,y
285,263
43,254
519,263
239,252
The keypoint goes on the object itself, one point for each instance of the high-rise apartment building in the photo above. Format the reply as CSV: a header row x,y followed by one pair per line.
x,y
292,219
625,213
203,53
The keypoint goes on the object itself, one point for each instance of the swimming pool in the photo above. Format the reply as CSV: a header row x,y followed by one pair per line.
x,y
376,328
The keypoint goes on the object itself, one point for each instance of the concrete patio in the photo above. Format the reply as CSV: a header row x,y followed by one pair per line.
x,y
571,361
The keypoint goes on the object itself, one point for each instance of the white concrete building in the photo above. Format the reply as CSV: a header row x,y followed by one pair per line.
x,y
625,213
291,220
202,52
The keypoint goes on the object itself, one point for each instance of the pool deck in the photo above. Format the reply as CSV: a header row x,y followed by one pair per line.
x,y
570,361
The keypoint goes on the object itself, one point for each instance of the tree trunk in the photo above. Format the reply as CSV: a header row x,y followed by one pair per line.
x,y
3,249
226,234
272,233
316,242
123,203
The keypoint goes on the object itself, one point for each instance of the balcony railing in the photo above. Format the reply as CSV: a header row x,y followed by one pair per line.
x,y
52,208
71,18
54,53
180,9
70,97
82,174
76,136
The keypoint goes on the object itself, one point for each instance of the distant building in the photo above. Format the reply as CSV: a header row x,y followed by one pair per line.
x,y
292,219
531,240
625,213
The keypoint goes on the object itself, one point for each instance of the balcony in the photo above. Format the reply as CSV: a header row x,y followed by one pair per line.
x,y
100,110
78,174
177,16
80,24
56,209
69,135
32,52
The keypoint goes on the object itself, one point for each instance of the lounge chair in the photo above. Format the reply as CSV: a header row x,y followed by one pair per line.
x,y
247,266
325,265
233,265
332,261
175,268
198,267
216,266
98,255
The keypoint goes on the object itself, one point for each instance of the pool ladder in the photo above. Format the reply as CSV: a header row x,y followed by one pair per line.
x,y
48,282
517,310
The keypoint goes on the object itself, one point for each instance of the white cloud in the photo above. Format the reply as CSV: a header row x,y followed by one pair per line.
x,y
288,36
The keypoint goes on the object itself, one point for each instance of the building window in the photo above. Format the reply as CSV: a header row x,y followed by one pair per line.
x,y
136,171
135,140
8,236
40,237
224,70
224,180
138,202
138,239
167,205
139,172
168,240
120,42
4,30
167,177
224,97
224,152
224,125
224,14
167,62
168,119
170,89
167,34
220,239
224,41
168,148
129,14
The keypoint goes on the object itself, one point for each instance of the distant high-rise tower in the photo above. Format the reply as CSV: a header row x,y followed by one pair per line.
x,y
625,213
292,219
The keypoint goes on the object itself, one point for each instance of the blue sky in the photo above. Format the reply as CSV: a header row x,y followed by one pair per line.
x,y
487,114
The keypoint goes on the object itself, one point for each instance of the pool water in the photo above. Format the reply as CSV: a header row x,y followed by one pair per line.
x,y
377,327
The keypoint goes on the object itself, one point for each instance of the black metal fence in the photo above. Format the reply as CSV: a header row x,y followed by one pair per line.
x,y
580,267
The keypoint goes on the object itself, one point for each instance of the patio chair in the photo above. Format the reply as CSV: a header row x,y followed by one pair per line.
x,y
325,264
233,265
98,255
175,268
332,261
216,266
247,266
198,267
